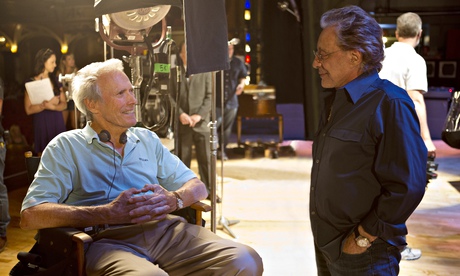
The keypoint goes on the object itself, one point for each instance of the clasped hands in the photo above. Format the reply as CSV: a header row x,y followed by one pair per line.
x,y
190,120
152,202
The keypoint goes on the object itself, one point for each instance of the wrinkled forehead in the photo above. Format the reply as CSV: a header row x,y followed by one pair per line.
x,y
114,80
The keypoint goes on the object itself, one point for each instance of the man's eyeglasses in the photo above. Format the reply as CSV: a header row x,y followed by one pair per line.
x,y
321,57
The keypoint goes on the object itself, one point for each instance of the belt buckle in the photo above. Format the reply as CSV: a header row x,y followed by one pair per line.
x,y
94,230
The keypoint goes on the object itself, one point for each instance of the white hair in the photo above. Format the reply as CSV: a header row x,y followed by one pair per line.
x,y
85,85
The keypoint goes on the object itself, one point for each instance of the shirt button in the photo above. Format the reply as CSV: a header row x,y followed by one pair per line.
x,y
317,161
324,134
313,213
312,188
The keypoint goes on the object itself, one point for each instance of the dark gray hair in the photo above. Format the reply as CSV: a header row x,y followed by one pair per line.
x,y
85,85
40,59
408,25
357,30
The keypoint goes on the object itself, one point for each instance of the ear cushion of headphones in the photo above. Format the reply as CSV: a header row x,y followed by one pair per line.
x,y
104,136
123,138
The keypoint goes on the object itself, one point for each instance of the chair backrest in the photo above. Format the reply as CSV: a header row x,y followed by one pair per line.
x,y
32,163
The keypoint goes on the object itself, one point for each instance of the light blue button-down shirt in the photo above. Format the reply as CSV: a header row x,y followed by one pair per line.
x,y
77,169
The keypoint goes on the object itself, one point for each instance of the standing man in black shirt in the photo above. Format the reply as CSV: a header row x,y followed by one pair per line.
x,y
369,161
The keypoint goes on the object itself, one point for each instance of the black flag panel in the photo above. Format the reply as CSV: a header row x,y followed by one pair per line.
x,y
206,36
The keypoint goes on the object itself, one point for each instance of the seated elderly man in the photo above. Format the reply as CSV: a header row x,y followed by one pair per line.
x,y
113,174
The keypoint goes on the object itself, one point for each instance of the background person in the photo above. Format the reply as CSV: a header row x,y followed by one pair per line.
x,y
67,66
4,211
369,168
110,173
194,116
234,79
404,67
47,116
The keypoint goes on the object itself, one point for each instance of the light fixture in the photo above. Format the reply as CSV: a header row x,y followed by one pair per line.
x,y
247,15
133,25
64,48
14,48
247,48
129,22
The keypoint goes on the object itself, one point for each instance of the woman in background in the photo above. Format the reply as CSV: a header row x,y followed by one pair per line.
x,y
66,67
47,116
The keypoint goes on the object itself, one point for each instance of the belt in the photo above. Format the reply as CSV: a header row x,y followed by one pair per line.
x,y
96,229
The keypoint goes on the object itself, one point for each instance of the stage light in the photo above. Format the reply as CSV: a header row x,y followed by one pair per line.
x,y
247,48
247,59
247,15
133,25
248,37
14,48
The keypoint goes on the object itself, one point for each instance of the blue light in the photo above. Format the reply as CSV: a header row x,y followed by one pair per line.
x,y
248,37
247,4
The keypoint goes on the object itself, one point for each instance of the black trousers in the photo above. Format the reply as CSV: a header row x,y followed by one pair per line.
x,y
226,123
189,138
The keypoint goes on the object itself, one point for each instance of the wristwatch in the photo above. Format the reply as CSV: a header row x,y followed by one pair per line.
x,y
360,240
179,202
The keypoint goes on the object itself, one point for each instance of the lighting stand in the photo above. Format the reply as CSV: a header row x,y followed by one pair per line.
x,y
135,64
224,223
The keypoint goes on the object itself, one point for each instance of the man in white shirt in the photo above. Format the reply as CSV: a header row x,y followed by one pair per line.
x,y
406,68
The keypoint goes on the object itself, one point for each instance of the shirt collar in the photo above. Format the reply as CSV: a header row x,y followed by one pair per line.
x,y
361,85
90,134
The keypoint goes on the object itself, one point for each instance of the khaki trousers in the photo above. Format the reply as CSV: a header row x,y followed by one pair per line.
x,y
168,247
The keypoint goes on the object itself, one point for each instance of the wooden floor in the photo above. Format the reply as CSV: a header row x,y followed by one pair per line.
x,y
269,198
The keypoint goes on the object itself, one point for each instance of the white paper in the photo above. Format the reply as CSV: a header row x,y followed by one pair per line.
x,y
39,91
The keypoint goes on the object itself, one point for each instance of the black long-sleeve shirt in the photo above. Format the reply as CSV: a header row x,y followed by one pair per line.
x,y
369,164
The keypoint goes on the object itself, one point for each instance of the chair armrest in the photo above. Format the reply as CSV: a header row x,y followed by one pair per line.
x,y
193,213
82,240
200,206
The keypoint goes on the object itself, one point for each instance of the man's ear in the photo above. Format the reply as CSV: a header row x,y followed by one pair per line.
x,y
356,57
91,105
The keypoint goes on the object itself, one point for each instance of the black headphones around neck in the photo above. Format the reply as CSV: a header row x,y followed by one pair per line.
x,y
105,136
